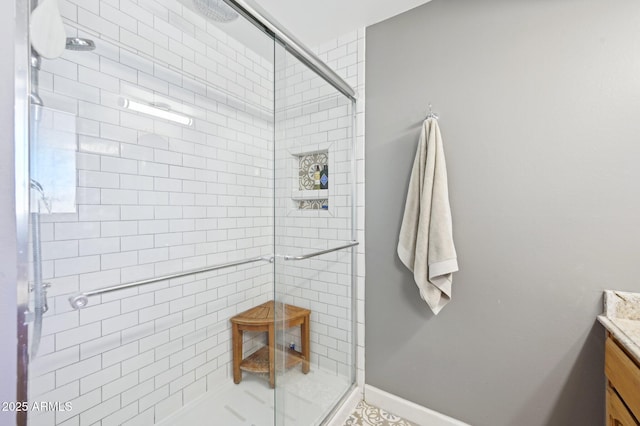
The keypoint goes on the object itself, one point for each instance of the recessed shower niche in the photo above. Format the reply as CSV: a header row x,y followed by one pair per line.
x,y
312,191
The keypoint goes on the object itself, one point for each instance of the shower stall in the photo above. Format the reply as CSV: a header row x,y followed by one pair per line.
x,y
188,162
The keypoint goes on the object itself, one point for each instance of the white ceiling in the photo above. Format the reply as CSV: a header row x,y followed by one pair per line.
x,y
317,21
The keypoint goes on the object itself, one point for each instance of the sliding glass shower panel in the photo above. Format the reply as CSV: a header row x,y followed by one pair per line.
x,y
314,230
152,154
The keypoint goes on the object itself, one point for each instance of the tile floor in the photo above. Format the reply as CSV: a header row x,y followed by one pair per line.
x,y
369,415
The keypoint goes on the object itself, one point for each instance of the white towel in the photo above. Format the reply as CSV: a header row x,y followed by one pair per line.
x,y
426,236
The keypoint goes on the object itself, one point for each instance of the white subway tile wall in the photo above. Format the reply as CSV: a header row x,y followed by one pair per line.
x,y
154,197
312,116
346,55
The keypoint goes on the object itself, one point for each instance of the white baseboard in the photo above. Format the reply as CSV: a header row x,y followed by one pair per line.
x,y
406,409
348,407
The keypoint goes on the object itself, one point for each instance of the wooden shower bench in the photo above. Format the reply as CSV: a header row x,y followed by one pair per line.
x,y
269,317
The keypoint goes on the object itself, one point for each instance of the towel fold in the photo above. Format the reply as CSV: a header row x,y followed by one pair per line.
x,y
426,244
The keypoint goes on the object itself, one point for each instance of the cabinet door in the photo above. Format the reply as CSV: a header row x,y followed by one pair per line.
x,y
617,413
623,375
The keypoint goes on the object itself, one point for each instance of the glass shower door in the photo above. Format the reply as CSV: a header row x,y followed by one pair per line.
x,y
152,156
166,201
314,233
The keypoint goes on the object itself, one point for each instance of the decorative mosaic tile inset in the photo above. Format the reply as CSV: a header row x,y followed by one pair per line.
x,y
368,415
313,204
307,167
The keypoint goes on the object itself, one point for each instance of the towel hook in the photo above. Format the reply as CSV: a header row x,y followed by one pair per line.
x,y
431,114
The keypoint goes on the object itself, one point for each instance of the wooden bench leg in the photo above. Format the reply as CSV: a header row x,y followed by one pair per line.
x,y
304,338
237,353
272,356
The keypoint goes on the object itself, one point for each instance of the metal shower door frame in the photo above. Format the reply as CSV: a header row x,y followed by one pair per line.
x,y
21,146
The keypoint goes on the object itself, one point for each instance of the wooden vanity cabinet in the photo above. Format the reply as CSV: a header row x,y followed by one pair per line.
x,y
623,385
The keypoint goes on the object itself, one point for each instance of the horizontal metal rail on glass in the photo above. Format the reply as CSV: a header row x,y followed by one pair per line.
x,y
319,253
80,300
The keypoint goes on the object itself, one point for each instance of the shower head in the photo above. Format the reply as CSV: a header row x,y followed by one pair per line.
x,y
215,10
80,44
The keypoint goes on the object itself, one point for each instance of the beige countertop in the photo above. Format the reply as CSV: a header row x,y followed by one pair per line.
x,y
621,317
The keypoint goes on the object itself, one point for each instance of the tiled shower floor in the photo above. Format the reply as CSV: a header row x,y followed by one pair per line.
x,y
305,399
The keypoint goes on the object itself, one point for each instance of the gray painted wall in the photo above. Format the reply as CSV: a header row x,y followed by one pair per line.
x,y
7,216
540,106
